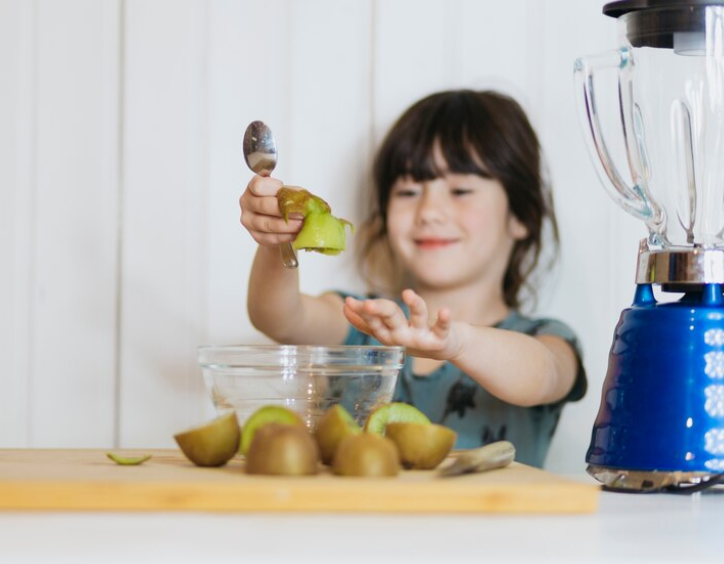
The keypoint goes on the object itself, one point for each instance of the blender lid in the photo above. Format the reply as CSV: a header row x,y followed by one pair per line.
x,y
621,7
664,24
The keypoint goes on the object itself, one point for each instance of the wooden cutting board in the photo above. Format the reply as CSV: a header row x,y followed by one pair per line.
x,y
88,480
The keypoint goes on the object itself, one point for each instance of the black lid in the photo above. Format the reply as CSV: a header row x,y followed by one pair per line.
x,y
621,7
654,23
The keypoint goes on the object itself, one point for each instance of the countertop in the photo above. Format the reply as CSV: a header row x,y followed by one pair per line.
x,y
626,528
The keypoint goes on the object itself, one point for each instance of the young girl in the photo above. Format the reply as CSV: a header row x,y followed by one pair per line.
x,y
455,230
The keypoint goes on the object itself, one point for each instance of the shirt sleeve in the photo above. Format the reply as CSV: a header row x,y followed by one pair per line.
x,y
560,329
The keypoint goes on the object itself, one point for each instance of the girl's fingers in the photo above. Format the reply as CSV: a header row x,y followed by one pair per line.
x,y
387,312
418,309
264,186
442,323
272,238
271,225
356,320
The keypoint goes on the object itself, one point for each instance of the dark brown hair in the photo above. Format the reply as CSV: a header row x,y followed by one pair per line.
x,y
483,133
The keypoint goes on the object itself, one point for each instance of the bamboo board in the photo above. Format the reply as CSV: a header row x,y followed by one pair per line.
x,y
87,480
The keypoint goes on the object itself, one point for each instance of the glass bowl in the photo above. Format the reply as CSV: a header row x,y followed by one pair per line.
x,y
306,379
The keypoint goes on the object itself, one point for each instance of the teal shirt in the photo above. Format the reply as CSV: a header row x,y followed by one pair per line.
x,y
450,397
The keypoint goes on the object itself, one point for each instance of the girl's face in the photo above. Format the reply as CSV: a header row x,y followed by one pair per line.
x,y
452,231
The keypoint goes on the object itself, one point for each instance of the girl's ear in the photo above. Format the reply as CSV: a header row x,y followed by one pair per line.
x,y
516,228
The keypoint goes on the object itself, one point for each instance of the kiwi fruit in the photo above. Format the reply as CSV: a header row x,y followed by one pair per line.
x,y
366,455
280,449
262,416
212,444
332,427
321,231
422,446
395,412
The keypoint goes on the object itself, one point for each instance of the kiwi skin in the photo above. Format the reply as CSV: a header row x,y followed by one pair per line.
x,y
422,446
366,455
212,444
335,425
283,450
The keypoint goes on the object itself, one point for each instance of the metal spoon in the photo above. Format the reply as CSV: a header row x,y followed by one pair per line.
x,y
260,154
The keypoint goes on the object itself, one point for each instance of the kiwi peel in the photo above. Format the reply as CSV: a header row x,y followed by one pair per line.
x,y
212,444
321,232
264,416
128,460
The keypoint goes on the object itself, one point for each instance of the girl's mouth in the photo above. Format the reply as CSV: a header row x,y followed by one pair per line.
x,y
431,244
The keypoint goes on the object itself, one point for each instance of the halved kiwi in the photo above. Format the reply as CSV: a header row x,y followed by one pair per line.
x,y
422,446
395,412
366,455
332,428
283,450
212,444
263,416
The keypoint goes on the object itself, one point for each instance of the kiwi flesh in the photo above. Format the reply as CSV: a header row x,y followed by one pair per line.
x,y
422,446
332,428
263,416
212,444
283,450
366,455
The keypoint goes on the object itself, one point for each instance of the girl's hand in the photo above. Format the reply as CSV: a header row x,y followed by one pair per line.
x,y
385,321
260,213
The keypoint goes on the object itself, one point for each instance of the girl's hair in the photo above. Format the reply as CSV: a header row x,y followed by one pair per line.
x,y
472,129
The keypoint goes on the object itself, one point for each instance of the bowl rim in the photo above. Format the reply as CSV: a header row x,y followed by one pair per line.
x,y
395,355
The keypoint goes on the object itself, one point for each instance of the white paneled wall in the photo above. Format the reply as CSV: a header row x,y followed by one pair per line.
x,y
121,168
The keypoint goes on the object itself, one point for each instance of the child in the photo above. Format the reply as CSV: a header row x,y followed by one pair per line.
x,y
456,229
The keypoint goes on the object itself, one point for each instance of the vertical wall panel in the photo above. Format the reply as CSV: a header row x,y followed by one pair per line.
x,y
330,113
248,80
74,297
17,159
164,203
577,293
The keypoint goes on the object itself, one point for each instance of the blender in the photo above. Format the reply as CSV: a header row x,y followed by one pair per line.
x,y
660,422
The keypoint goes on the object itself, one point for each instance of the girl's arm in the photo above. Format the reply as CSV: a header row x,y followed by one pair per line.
x,y
517,368
275,304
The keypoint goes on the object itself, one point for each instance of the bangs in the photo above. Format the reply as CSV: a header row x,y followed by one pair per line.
x,y
451,128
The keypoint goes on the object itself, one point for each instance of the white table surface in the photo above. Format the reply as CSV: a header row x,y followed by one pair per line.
x,y
626,528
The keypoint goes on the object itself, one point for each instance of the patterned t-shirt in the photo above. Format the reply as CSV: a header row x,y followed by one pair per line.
x,y
450,397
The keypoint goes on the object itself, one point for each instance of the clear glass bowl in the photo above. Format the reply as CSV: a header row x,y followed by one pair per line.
x,y
306,379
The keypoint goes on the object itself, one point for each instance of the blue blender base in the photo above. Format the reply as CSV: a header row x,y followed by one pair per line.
x,y
662,405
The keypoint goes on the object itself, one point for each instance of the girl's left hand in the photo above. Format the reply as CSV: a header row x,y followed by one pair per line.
x,y
385,321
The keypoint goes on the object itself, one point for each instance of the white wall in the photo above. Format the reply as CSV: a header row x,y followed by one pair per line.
x,y
120,170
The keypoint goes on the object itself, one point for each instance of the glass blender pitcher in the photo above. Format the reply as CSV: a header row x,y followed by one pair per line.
x,y
661,418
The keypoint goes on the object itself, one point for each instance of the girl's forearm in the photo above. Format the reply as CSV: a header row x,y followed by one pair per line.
x,y
273,300
279,310
514,367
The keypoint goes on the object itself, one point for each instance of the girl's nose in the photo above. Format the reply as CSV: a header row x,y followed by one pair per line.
x,y
431,207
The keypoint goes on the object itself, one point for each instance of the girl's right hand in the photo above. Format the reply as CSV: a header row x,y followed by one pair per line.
x,y
260,213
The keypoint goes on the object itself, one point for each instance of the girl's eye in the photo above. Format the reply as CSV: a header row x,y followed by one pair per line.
x,y
460,191
406,192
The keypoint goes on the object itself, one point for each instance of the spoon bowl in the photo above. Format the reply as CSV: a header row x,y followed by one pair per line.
x,y
260,154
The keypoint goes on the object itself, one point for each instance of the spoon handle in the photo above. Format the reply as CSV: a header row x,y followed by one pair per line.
x,y
289,257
